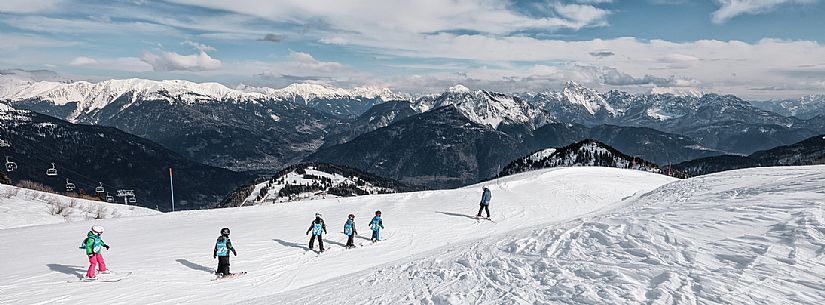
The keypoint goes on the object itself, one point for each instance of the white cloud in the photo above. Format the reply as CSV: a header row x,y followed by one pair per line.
x,y
732,8
129,64
306,61
198,46
171,61
28,6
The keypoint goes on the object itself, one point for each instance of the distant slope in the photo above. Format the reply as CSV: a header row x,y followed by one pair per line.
x,y
808,152
312,181
87,155
584,153
21,207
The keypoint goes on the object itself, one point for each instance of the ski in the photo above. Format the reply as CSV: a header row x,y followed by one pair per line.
x,y
229,277
104,278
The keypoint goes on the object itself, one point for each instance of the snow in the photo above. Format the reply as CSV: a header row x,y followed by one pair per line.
x,y
569,235
751,236
294,178
677,91
170,254
589,98
657,113
21,207
459,88
542,154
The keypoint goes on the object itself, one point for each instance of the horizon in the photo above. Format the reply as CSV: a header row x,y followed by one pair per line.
x,y
756,50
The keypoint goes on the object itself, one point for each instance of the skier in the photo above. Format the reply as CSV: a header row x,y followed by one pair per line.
x,y
376,225
317,227
221,252
350,231
485,203
93,244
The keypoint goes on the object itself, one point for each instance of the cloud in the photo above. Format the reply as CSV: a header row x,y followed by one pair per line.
x,y
130,64
305,61
198,46
83,61
272,38
28,6
171,61
732,8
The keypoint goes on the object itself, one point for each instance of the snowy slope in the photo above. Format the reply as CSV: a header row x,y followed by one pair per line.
x,y
753,236
21,207
170,254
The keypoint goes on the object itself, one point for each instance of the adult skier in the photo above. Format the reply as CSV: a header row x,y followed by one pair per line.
x,y
350,231
376,224
317,227
485,202
221,252
93,244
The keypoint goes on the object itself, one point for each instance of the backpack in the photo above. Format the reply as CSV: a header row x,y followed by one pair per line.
x,y
222,249
348,227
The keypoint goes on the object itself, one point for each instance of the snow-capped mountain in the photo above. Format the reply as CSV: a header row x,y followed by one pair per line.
x,y
584,153
338,101
677,91
486,107
314,181
806,107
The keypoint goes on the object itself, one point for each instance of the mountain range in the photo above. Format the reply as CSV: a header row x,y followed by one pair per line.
x,y
438,140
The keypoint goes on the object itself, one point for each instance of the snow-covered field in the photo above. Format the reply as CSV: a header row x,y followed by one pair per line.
x,y
567,235
171,254
21,207
753,236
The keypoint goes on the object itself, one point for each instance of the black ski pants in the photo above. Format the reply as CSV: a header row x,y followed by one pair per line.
x,y
484,207
223,265
320,242
351,241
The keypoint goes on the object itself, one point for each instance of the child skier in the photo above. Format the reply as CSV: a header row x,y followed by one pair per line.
x,y
484,205
317,227
350,231
376,225
221,252
93,245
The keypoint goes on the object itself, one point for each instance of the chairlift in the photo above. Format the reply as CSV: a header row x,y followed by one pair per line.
x,y
100,189
10,166
132,199
52,171
69,186
109,198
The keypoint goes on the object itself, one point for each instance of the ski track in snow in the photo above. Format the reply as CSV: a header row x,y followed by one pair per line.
x,y
753,236
170,254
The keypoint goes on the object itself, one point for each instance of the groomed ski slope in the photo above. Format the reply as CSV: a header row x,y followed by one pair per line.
x,y
754,236
170,255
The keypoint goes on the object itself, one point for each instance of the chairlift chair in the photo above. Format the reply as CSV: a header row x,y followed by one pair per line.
x,y
100,189
10,166
109,198
132,199
52,171
69,186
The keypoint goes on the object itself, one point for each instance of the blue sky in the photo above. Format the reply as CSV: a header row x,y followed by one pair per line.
x,y
753,48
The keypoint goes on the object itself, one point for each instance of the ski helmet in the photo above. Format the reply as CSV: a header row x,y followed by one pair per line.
x,y
97,229
225,231
378,213
318,215
351,216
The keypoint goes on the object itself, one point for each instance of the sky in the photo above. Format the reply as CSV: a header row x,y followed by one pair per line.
x,y
756,49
